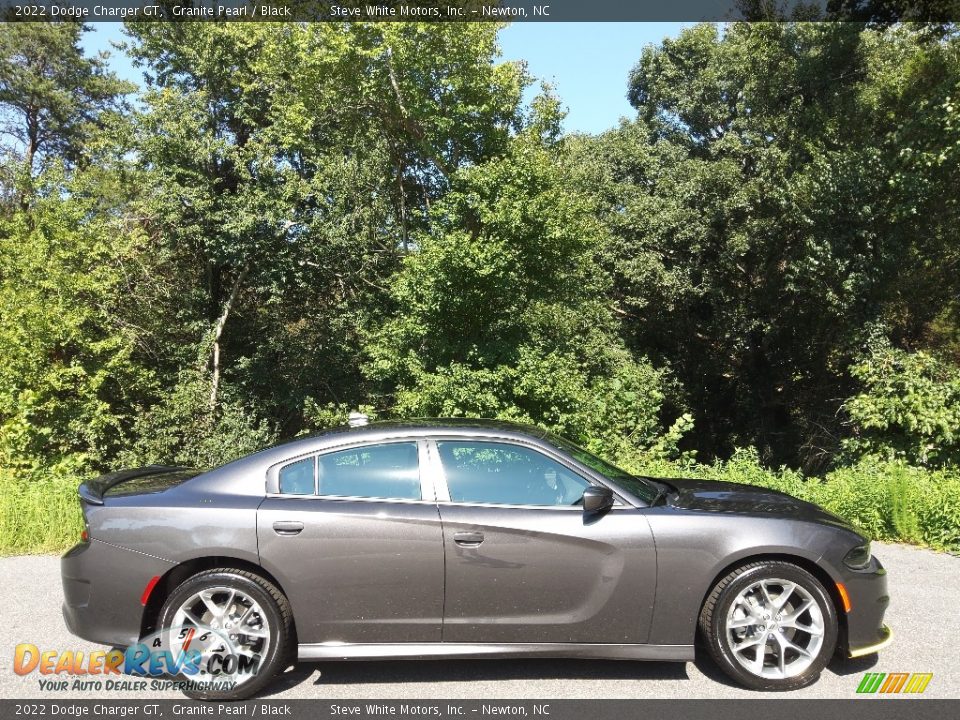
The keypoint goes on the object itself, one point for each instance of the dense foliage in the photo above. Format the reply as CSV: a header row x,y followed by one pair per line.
x,y
786,194
501,312
908,408
289,222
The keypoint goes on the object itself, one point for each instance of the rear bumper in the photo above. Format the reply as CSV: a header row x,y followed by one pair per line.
x,y
102,586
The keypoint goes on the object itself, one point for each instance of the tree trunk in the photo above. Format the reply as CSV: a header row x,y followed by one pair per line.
x,y
221,322
33,143
33,139
403,206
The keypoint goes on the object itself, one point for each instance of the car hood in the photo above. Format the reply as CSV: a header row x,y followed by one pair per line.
x,y
727,497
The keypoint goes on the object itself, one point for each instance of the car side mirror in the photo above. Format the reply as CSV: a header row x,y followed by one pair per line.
x,y
597,498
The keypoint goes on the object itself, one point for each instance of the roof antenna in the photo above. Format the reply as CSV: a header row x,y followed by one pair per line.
x,y
357,419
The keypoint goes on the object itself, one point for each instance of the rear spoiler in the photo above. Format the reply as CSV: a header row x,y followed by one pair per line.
x,y
92,491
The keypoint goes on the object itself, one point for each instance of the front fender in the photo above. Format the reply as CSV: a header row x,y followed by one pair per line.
x,y
694,549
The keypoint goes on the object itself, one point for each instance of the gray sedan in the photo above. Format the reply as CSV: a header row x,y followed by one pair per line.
x,y
451,538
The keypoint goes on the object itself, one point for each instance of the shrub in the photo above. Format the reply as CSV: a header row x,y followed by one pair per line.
x,y
936,498
909,408
39,511
859,494
70,370
182,429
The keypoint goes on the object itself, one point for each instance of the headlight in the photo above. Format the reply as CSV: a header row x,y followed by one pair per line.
x,y
858,558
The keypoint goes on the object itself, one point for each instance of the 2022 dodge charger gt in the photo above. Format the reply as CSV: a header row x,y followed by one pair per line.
x,y
466,539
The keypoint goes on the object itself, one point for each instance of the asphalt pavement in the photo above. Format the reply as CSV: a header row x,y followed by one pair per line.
x,y
924,614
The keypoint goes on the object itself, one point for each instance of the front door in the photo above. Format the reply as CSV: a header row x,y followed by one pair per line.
x,y
525,564
355,540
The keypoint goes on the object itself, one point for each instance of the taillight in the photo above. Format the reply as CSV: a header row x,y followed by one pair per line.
x,y
84,536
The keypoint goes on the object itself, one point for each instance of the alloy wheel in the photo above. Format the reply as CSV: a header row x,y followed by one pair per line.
x,y
775,628
227,622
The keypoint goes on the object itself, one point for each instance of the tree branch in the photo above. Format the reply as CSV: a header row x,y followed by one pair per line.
x,y
218,333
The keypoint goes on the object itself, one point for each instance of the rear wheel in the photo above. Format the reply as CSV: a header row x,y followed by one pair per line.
x,y
770,626
237,628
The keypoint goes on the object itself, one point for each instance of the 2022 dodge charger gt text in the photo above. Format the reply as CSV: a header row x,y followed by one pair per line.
x,y
450,538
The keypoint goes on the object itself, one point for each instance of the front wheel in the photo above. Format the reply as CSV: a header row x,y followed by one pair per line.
x,y
770,626
233,627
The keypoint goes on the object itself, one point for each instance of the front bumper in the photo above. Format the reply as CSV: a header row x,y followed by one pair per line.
x,y
102,586
887,634
866,632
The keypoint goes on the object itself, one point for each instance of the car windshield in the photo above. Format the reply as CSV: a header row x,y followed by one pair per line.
x,y
643,489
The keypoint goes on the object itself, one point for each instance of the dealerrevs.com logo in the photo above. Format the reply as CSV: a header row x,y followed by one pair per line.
x,y
198,658
894,683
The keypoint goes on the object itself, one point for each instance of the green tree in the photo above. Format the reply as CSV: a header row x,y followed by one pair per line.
x,y
501,311
783,189
71,382
53,97
290,165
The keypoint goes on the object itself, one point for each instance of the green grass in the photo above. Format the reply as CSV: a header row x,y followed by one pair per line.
x,y
40,513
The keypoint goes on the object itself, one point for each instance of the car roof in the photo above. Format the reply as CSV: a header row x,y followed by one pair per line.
x,y
418,426
371,432
476,427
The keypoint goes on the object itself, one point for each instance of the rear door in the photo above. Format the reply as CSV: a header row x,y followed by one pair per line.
x,y
524,564
353,535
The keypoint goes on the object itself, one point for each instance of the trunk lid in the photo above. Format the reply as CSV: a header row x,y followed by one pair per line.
x,y
138,481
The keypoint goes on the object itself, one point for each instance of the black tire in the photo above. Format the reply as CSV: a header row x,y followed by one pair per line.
x,y
274,605
713,619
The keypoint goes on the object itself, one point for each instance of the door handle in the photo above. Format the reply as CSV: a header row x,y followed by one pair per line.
x,y
468,539
287,527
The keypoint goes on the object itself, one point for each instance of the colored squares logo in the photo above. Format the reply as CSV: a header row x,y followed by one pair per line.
x,y
893,683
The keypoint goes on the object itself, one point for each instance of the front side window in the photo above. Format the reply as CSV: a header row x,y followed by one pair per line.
x,y
505,474
644,489
391,470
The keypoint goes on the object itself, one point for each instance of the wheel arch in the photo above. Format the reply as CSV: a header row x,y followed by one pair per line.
x,y
170,580
818,571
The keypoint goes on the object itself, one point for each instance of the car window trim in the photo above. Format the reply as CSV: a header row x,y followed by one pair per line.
x,y
443,489
427,485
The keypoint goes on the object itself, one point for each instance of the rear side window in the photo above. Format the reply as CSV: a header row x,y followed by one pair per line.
x,y
297,478
390,470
